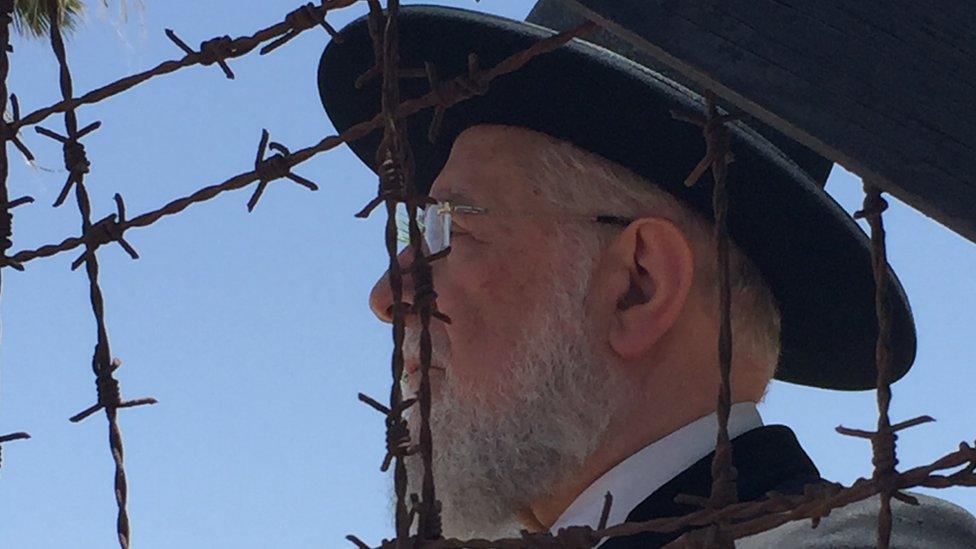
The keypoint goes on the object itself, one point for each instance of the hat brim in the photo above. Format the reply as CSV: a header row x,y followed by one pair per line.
x,y
813,255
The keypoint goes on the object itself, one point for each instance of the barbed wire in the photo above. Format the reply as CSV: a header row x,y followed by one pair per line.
x,y
6,218
447,94
721,519
216,50
105,230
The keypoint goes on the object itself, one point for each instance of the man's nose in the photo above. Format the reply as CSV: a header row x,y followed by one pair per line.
x,y
381,296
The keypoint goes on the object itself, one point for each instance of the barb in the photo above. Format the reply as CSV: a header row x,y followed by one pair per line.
x,y
471,84
274,167
107,386
7,133
215,50
12,436
75,160
302,19
108,229
605,512
236,47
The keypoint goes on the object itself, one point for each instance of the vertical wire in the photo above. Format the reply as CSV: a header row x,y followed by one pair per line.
x,y
883,442
101,359
724,490
390,158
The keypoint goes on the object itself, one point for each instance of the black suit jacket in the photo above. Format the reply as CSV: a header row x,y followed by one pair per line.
x,y
767,458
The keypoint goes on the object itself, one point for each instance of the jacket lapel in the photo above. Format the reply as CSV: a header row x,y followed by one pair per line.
x,y
766,458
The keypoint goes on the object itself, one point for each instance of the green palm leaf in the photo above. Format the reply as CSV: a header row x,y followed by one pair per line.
x,y
31,17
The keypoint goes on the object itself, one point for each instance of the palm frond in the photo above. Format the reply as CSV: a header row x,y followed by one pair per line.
x,y
31,16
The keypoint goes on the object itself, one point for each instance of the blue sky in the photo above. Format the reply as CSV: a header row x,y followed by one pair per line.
x,y
252,330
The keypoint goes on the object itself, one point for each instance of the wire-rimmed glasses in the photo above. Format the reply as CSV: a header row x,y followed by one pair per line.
x,y
434,221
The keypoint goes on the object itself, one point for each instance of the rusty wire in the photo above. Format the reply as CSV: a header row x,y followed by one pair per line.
x,y
426,507
6,218
396,186
748,518
103,365
449,94
394,157
216,50
721,519
717,157
884,437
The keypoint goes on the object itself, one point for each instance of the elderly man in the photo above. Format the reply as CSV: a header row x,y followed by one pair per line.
x,y
581,283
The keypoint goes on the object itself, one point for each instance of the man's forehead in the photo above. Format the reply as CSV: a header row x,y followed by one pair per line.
x,y
497,139
488,162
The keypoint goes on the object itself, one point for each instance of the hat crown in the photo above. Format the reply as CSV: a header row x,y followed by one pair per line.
x,y
556,15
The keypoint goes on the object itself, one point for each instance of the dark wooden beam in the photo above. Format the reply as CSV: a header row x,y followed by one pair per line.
x,y
885,88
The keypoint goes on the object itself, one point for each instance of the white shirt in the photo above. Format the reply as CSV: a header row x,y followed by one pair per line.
x,y
634,479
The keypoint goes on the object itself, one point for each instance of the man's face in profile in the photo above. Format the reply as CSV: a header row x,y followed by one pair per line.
x,y
519,392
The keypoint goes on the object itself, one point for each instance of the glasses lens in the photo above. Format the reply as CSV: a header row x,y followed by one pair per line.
x,y
434,223
403,226
438,228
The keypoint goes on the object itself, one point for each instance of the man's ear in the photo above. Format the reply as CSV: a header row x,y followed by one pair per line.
x,y
650,268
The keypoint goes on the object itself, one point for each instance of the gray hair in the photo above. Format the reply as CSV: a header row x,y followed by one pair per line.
x,y
568,175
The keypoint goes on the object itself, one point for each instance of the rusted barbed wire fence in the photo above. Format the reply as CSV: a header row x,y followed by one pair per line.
x,y
7,135
721,520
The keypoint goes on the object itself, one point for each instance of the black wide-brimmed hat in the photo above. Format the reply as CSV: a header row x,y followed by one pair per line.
x,y
812,254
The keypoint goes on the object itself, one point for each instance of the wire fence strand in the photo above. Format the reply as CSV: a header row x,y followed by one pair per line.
x,y
721,519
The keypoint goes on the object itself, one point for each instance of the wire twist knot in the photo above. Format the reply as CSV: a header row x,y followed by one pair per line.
x,y
575,537
107,387
110,228
425,297
75,158
397,440
397,430
874,204
276,166
392,186
216,50
108,390
304,17
299,20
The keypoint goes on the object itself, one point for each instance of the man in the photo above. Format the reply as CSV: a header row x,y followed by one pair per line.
x,y
581,358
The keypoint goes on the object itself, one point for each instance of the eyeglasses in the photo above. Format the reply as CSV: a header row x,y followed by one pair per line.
x,y
434,221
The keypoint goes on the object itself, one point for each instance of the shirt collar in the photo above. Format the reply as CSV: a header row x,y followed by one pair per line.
x,y
634,479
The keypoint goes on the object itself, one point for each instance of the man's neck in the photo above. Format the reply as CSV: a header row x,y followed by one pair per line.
x,y
623,439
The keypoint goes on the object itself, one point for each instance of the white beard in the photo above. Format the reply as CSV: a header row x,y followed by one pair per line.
x,y
501,448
